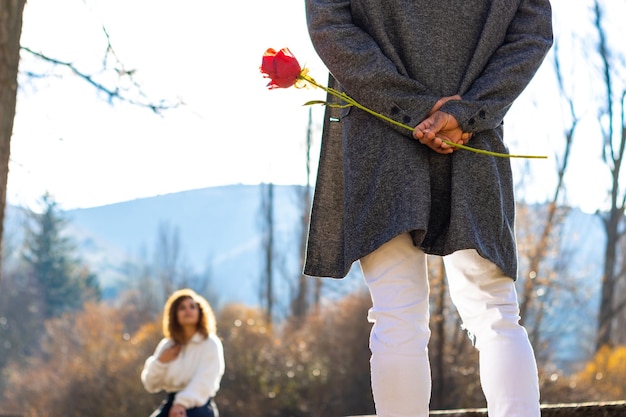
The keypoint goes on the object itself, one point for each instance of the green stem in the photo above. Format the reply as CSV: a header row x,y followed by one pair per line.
x,y
343,96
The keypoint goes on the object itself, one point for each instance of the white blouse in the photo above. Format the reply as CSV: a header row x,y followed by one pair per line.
x,y
194,375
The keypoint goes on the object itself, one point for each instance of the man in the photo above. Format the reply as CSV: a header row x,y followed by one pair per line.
x,y
388,198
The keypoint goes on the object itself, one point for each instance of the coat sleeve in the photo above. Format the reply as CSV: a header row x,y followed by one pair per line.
x,y
490,89
353,57
206,378
153,373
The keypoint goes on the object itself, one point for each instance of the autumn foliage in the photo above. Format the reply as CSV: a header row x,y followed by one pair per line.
x,y
318,365
604,377
89,366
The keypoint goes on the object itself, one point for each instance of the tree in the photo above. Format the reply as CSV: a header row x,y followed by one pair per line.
x,y
612,117
46,282
63,282
141,288
11,23
21,321
538,249
267,227
167,260
308,292
149,282
545,277
603,65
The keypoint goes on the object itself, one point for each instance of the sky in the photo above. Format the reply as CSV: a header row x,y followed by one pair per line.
x,y
69,141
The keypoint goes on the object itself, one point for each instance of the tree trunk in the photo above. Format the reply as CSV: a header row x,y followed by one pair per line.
x,y
301,303
267,280
10,33
605,314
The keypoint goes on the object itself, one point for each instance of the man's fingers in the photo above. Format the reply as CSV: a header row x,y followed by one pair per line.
x,y
465,137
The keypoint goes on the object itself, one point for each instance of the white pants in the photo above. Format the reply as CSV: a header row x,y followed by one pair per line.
x,y
397,277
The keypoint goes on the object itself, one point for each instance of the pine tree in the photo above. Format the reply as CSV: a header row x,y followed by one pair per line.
x,y
64,283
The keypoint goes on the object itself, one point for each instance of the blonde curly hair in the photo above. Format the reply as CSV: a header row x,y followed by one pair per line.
x,y
172,328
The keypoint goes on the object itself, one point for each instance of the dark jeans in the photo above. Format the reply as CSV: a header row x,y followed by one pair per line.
x,y
207,410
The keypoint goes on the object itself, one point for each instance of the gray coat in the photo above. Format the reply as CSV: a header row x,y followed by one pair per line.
x,y
398,57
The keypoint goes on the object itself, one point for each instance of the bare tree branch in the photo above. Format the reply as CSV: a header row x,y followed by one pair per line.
x,y
606,75
111,92
118,67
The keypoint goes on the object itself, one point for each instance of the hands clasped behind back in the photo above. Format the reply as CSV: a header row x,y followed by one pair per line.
x,y
439,126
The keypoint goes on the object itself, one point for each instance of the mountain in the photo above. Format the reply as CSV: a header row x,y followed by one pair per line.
x,y
219,229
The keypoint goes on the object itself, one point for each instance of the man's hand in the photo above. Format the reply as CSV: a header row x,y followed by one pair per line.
x,y
441,102
440,126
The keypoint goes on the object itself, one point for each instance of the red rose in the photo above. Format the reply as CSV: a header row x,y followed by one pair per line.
x,y
283,70
281,67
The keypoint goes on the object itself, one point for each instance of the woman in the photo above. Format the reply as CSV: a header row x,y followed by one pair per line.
x,y
188,363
